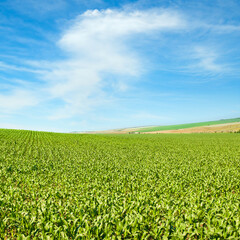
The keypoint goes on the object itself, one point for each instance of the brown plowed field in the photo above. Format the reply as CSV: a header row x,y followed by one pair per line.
x,y
220,128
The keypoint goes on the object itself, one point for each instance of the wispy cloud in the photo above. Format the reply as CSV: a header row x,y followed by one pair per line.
x,y
207,59
203,60
9,67
97,44
17,99
225,28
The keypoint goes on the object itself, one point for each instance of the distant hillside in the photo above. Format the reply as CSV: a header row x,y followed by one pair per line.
x,y
188,125
223,125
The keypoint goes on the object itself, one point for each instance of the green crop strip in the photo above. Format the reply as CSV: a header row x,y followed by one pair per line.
x,y
69,186
187,125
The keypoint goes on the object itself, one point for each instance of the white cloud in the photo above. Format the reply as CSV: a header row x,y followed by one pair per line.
x,y
97,44
205,60
17,99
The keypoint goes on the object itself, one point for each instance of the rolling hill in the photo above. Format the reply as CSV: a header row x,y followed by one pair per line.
x,y
189,125
223,125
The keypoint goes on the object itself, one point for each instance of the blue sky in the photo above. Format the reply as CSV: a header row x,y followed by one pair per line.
x,y
69,65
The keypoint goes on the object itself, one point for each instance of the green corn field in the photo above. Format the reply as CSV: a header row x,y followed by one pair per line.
x,y
76,186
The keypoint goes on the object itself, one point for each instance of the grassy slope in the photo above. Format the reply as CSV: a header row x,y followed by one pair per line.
x,y
188,125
